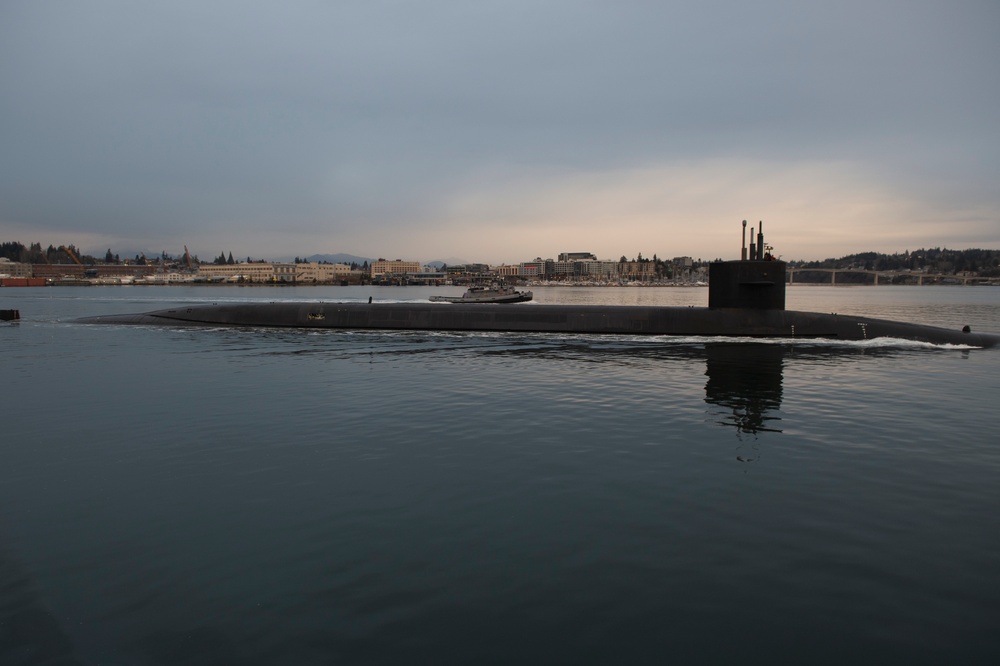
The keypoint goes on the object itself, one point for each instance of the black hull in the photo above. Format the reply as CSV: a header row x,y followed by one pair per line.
x,y
519,298
595,319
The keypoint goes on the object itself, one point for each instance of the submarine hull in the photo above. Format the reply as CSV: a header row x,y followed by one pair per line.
x,y
596,319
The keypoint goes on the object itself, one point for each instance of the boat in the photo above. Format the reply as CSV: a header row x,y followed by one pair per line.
x,y
483,294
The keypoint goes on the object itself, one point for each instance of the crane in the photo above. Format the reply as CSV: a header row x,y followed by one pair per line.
x,y
71,255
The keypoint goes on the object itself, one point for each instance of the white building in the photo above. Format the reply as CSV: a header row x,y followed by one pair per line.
x,y
10,268
253,272
395,267
316,272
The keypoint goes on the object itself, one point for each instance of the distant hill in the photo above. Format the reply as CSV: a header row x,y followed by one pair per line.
x,y
339,258
453,261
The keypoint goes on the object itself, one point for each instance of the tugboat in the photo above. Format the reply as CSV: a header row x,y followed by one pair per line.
x,y
496,293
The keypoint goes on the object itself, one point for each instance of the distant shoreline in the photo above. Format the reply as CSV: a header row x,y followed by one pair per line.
x,y
84,283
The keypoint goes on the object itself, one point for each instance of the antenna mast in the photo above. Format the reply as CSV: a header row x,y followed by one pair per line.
x,y
743,254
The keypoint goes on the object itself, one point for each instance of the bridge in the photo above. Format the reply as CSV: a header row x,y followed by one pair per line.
x,y
888,277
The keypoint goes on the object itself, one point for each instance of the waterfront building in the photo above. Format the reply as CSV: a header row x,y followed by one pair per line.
x,y
637,270
14,269
317,272
465,269
62,271
563,270
534,268
577,256
683,263
309,272
172,277
426,277
580,265
120,270
285,272
505,271
253,271
682,268
395,267
58,271
596,268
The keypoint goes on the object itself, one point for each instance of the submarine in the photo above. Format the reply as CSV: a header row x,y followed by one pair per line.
x,y
746,298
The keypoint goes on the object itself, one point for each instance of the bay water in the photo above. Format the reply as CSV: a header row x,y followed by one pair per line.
x,y
263,496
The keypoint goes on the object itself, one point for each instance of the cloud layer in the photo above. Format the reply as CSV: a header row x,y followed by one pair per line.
x,y
500,131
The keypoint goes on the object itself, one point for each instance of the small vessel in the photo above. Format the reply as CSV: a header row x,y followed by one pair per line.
x,y
491,294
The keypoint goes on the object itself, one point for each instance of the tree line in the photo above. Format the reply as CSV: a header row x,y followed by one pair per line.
x,y
64,254
35,254
985,263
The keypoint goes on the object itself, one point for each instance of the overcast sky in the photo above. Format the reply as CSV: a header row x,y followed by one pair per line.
x,y
500,131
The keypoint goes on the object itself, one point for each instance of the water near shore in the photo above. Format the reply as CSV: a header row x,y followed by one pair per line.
x,y
253,496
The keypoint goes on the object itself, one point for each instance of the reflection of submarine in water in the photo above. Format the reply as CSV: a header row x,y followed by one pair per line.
x,y
746,299
746,381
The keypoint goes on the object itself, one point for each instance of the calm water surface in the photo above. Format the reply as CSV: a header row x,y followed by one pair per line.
x,y
254,496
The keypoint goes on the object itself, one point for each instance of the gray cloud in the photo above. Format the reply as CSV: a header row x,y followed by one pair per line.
x,y
229,119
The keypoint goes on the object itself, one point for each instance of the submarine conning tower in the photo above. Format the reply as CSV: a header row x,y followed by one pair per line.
x,y
756,281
